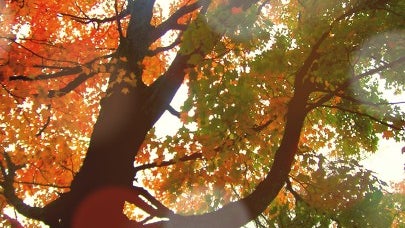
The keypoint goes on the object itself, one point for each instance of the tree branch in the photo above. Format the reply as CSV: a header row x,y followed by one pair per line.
x,y
8,173
364,114
314,55
71,85
62,73
42,185
362,101
36,54
289,187
191,157
171,22
118,20
173,111
353,79
66,71
48,120
162,49
161,210
10,93
88,20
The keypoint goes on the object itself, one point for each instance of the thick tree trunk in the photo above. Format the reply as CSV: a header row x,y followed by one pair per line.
x,y
107,173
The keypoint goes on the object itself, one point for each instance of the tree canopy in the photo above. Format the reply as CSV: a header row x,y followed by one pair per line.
x,y
284,99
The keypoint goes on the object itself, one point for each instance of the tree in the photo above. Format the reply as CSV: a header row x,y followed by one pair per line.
x,y
284,99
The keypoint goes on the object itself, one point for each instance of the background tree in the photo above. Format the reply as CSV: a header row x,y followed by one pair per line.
x,y
284,99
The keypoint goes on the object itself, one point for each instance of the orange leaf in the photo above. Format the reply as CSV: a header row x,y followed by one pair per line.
x,y
236,10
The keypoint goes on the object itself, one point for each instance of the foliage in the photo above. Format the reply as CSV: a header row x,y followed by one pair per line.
x,y
291,84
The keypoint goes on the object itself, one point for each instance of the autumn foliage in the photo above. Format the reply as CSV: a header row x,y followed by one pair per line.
x,y
284,100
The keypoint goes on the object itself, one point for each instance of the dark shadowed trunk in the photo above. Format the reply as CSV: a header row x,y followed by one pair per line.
x,y
127,113
130,108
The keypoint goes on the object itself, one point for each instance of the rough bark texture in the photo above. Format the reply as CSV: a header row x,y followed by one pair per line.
x,y
105,179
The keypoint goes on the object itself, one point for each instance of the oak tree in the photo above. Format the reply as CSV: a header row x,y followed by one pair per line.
x,y
284,99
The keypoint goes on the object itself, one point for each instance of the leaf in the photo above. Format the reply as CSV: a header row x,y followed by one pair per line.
x,y
195,59
237,10
388,134
295,85
125,90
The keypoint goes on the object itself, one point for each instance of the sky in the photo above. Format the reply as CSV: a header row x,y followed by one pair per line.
x,y
388,162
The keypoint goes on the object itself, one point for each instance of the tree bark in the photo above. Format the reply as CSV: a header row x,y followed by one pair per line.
x,y
124,120
239,213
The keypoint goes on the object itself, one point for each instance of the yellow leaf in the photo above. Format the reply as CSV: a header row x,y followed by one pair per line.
x,y
125,90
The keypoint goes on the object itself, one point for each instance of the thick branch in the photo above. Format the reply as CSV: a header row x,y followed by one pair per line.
x,y
71,85
289,187
9,193
171,22
314,55
238,213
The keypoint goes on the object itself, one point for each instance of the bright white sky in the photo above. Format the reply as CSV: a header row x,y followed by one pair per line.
x,y
388,162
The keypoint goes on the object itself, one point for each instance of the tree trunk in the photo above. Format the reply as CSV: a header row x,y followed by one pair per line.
x,y
105,179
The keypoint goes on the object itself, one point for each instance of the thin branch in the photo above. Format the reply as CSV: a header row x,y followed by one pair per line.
x,y
50,67
118,20
11,93
173,111
192,157
361,101
42,184
166,48
354,79
68,169
66,71
48,120
88,20
38,55
160,210
259,128
363,114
